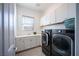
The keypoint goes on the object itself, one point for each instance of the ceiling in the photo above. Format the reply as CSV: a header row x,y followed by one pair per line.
x,y
41,7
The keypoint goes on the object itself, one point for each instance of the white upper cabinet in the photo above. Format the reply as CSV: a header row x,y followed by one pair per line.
x,y
52,17
42,21
65,11
71,10
61,13
48,19
45,20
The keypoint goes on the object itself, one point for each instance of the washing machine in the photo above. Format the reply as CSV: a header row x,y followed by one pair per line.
x,y
63,42
46,41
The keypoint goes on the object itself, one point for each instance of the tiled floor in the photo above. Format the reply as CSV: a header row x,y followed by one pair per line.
x,y
33,52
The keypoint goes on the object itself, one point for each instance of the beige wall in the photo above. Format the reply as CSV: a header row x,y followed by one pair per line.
x,y
26,12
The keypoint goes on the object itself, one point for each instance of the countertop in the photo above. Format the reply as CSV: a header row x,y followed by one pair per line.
x,y
28,35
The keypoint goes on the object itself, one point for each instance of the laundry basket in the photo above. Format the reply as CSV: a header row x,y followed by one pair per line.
x,y
70,23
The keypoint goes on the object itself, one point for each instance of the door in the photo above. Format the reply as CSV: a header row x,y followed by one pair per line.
x,y
45,39
62,45
9,40
1,42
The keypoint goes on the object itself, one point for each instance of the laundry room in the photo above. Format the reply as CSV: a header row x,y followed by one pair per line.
x,y
45,29
39,29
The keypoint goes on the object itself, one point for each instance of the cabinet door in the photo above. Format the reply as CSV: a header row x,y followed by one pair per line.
x,y
38,40
42,21
27,43
45,20
52,17
33,41
18,44
21,44
71,10
61,13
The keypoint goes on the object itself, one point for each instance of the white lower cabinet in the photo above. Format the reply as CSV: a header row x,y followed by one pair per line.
x,y
23,43
38,40
32,41
19,44
26,43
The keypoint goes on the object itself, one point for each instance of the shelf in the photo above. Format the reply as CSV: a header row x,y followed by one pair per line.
x,y
53,24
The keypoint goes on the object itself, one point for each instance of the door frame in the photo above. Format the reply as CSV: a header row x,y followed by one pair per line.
x,y
7,29
1,29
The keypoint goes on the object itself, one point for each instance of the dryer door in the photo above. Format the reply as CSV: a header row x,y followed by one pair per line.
x,y
62,45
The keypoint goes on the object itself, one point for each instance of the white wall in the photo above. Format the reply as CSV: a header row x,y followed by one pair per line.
x,y
26,12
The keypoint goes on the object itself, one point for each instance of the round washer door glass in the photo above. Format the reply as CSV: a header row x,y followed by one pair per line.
x,y
62,44
45,39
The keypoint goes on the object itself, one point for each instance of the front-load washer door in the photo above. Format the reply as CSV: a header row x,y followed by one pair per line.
x,y
45,39
62,45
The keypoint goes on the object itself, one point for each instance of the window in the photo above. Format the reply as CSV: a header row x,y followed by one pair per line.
x,y
28,23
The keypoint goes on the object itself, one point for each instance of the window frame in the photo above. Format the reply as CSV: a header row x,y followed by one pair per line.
x,y
32,29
